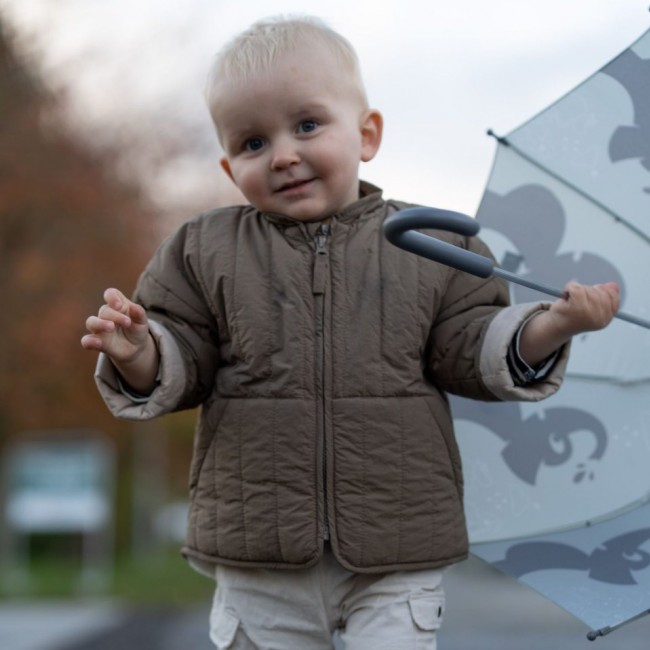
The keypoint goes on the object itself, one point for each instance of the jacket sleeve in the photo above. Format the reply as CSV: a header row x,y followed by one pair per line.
x,y
471,334
494,370
183,327
172,290
165,397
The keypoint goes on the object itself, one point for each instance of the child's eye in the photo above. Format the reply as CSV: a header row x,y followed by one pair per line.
x,y
307,126
254,144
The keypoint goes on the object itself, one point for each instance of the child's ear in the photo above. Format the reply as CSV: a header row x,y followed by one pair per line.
x,y
372,125
225,165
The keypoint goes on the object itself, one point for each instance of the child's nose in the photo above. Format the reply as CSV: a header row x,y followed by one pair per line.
x,y
285,154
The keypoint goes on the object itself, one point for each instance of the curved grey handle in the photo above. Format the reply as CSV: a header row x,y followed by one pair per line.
x,y
399,229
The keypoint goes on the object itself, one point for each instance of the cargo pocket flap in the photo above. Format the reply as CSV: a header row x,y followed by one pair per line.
x,y
223,628
427,611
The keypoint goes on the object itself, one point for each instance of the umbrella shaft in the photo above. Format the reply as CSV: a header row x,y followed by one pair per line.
x,y
537,286
552,291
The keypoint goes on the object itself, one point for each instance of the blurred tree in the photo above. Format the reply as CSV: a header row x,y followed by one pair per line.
x,y
70,226
67,228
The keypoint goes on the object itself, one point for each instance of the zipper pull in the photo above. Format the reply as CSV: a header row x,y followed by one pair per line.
x,y
321,238
321,259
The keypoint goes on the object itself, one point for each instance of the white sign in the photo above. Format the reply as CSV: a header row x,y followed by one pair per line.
x,y
59,486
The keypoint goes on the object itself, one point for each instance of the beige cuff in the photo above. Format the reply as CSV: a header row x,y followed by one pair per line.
x,y
164,397
495,372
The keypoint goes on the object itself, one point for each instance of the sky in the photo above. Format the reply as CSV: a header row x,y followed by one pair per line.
x,y
441,73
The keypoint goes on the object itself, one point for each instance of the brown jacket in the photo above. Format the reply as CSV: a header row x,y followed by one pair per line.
x,y
320,360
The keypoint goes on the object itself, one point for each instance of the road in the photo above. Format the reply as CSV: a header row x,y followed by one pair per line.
x,y
486,611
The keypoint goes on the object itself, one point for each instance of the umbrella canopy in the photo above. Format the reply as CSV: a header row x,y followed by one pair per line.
x,y
569,198
600,574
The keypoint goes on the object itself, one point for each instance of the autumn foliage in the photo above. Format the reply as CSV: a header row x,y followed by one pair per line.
x,y
67,229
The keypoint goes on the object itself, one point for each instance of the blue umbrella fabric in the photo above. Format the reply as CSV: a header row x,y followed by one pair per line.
x,y
603,571
569,198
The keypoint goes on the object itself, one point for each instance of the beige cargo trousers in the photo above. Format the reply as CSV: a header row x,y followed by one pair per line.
x,y
259,609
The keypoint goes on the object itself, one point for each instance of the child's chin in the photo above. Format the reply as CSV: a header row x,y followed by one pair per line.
x,y
305,213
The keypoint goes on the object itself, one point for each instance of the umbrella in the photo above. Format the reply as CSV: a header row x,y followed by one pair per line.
x,y
557,491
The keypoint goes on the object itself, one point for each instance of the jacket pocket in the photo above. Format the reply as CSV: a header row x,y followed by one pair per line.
x,y
206,434
427,610
442,420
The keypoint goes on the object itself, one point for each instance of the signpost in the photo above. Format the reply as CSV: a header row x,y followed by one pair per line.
x,y
59,482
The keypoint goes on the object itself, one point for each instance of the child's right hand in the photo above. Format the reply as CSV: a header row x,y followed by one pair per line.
x,y
120,328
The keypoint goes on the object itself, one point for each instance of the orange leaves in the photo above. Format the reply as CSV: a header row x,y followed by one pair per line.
x,y
64,231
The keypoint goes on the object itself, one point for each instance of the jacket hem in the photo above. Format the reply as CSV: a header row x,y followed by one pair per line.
x,y
206,564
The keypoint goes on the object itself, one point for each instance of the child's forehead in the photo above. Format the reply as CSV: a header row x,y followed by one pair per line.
x,y
286,87
302,78
313,61
300,60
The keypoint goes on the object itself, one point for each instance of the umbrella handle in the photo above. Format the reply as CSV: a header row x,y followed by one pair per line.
x,y
399,230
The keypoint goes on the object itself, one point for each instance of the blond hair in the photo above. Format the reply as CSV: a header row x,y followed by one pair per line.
x,y
257,49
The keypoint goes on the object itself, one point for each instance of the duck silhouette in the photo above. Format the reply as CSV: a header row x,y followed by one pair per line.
x,y
612,562
537,440
512,214
632,141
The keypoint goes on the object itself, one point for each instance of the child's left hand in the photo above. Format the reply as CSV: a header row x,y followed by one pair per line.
x,y
585,308
582,309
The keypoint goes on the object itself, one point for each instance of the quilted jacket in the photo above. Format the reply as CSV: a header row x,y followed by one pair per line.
x,y
320,356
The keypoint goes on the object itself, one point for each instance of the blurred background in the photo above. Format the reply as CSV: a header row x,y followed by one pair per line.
x,y
79,212
106,147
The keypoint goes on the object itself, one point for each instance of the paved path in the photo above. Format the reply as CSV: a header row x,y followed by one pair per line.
x,y
26,625
486,611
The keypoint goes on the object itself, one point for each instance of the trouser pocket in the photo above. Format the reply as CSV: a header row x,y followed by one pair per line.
x,y
427,610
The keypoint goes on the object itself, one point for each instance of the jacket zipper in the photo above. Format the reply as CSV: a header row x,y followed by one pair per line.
x,y
321,264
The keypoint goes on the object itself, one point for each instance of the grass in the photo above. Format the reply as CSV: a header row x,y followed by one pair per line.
x,y
160,577
164,578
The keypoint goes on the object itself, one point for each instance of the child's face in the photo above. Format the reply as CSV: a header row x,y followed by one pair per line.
x,y
294,137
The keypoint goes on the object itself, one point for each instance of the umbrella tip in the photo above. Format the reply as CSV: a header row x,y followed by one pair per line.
x,y
592,635
498,138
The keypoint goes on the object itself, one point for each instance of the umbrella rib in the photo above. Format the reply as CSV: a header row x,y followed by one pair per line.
x,y
592,635
617,217
608,379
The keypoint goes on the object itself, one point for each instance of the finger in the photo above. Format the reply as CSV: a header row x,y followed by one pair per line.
x,y
609,287
572,288
137,313
116,299
96,325
611,293
613,290
572,295
108,313
614,296
90,342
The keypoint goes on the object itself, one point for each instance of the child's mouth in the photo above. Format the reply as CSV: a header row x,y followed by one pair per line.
x,y
293,186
